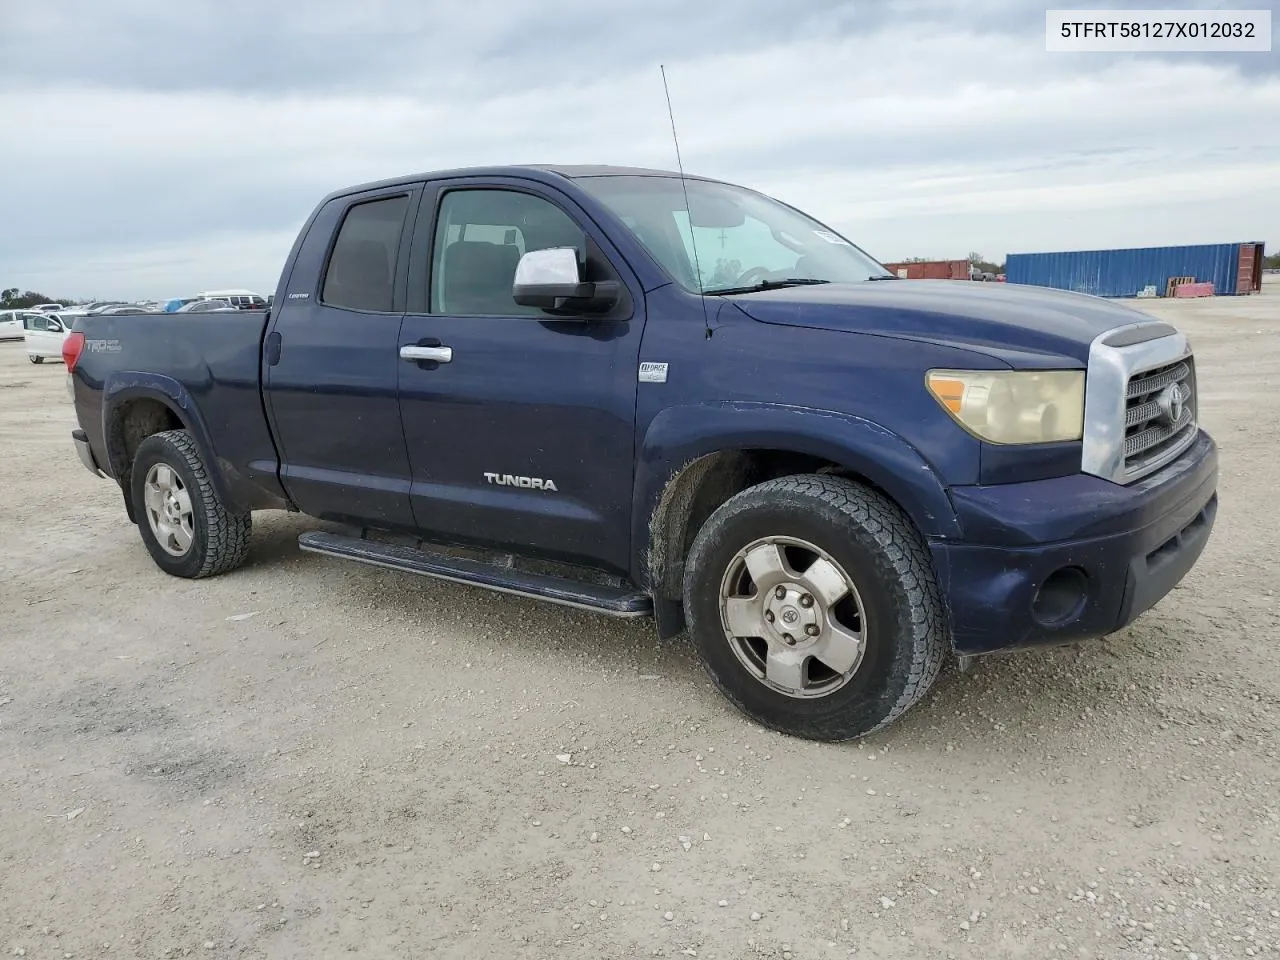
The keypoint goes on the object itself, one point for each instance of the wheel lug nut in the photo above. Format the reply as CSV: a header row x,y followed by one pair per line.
x,y
811,629
768,615
780,592
806,600
791,641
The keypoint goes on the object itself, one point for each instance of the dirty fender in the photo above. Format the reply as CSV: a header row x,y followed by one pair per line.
x,y
679,435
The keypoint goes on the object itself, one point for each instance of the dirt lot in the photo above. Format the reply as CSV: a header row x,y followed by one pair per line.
x,y
308,758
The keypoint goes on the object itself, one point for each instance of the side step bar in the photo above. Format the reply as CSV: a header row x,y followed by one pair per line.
x,y
614,601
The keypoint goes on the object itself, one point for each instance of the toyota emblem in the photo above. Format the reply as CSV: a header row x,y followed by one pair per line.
x,y
1170,403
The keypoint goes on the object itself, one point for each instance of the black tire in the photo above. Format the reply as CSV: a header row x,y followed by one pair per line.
x,y
220,538
35,359
905,627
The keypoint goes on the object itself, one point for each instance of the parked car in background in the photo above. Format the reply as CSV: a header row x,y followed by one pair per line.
x,y
116,309
98,306
240,299
44,334
11,324
206,306
49,307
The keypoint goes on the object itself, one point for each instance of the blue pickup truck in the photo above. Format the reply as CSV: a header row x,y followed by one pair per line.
x,y
648,395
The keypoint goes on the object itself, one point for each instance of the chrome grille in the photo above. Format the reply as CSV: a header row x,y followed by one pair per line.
x,y
1153,380
1134,423
1160,413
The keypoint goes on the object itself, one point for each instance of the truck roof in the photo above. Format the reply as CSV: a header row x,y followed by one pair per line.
x,y
537,170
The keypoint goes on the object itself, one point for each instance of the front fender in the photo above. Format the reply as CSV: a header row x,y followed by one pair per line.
x,y
680,435
127,385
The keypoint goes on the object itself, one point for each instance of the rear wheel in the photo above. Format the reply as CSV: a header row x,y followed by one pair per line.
x,y
813,605
35,359
187,529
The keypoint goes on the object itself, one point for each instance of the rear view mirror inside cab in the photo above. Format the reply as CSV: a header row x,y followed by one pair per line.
x,y
712,213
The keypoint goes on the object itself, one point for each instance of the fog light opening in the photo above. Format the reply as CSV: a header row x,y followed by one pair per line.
x,y
1061,597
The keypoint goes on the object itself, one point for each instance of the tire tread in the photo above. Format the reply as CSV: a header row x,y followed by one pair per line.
x,y
901,547
227,533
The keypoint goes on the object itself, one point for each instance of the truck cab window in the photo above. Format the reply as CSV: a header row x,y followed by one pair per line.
x,y
480,237
361,268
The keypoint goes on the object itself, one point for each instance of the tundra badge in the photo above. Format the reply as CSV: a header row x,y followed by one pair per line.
x,y
529,483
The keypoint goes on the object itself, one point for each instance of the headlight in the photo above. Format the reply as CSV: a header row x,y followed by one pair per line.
x,y
1013,406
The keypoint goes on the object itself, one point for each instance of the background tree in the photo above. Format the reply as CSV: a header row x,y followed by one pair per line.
x,y
979,262
11,299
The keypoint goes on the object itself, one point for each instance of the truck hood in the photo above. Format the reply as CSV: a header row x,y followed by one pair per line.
x,y
1022,325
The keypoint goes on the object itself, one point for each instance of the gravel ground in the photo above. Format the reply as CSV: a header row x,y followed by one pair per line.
x,y
307,758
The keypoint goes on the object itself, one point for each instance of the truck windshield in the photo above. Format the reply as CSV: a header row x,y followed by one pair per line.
x,y
739,240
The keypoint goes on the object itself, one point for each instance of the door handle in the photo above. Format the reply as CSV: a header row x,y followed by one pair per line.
x,y
436,353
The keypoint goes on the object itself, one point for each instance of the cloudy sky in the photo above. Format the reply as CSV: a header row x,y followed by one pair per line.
x,y
154,148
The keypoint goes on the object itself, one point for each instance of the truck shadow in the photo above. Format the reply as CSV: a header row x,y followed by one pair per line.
x,y
593,641
1034,701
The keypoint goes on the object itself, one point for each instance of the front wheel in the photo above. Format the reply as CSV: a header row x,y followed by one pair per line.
x,y
187,529
813,605
35,359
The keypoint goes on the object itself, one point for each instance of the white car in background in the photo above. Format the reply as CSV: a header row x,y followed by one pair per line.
x,y
240,299
44,333
11,324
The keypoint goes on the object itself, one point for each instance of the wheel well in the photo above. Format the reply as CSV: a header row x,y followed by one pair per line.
x,y
131,423
698,490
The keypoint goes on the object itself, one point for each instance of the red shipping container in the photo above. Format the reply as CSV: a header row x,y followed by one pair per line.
x,y
931,270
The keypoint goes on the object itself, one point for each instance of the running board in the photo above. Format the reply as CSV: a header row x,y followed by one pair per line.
x,y
598,598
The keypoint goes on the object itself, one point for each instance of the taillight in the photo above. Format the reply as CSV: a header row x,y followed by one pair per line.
x,y
72,347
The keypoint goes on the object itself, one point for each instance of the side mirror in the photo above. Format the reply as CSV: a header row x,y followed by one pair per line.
x,y
56,327
550,279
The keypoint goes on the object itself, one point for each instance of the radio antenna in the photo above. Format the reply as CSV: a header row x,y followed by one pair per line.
x,y
693,240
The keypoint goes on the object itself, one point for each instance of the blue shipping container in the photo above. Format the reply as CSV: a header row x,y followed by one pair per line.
x,y
1123,273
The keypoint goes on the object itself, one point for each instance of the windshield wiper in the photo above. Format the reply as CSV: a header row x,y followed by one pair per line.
x,y
884,276
764,285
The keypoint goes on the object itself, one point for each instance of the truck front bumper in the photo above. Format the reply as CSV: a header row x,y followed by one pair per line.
x,y
85,452
1073,558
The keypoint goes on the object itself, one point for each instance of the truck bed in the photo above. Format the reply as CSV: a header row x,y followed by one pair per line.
x,y
212,364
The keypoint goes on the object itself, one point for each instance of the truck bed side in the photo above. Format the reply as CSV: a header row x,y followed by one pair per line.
x,y
201,372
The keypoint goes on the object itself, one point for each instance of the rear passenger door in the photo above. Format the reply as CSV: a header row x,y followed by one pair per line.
x,y
331,363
